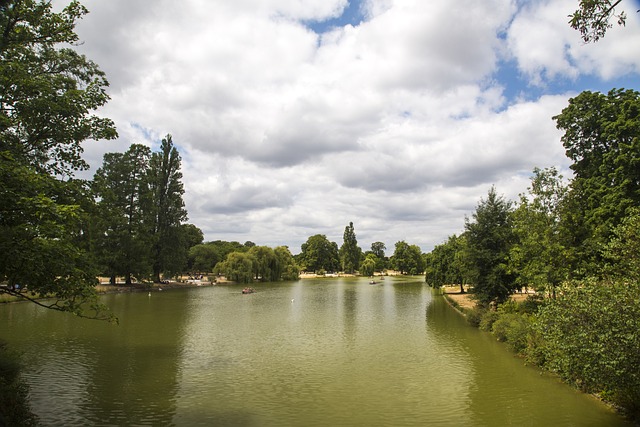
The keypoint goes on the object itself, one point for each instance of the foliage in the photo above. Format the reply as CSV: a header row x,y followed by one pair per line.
x,y
257,263
539,256
377,249
287,266
474,316
265,264
124,203
512,328
140,213
622,253
238,267
601,137
407,259
590,338
350,252
446,264
368,266
48,94
318,253
487,320
489,240
14,393
203,258
593,17
166,189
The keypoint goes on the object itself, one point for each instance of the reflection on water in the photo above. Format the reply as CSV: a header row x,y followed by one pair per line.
x,y
314,352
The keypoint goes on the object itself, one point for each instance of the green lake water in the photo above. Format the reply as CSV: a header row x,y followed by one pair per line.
x,y
329,352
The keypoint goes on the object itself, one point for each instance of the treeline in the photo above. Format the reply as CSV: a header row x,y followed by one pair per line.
x,y
246,263
575,241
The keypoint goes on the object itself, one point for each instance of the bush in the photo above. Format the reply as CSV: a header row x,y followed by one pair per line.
x,y
474,316
514,329
488,319
531,304
589,336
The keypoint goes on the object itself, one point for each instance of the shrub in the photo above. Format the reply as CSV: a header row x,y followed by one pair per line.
x,y
590,338
474,315
514,329
488,319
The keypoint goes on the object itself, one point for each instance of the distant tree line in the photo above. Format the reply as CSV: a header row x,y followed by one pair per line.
x,y
247,263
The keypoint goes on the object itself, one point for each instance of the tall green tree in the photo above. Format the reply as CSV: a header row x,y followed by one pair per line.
x,y
540,255
378,248
318,253
407,259
350,252
266,267
490,237
238,267
48,96
289,270
203,258
446,263
165,181
368,266
124,202
602,138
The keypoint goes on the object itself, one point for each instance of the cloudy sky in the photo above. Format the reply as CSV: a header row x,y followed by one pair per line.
x,y
295,117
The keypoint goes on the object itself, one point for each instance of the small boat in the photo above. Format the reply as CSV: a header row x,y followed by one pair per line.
x,y
373,282
248,291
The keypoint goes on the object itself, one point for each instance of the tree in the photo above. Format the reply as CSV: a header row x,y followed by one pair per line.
x,y
601,138
318,253
540,255
378,248
590,338
286,263
407,259
203,258
192,235
48,94
623,252
446,263
368,266
238,267
165,181
592,18
124,203
350,253
265,264
489,240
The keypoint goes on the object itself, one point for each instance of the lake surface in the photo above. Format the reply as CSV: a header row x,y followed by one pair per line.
x,y
328,352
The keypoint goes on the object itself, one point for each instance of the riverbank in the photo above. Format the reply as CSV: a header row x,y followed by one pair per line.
x,y
465,300
524,328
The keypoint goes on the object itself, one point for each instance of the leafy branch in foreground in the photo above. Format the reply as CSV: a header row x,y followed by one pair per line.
x,y
592,19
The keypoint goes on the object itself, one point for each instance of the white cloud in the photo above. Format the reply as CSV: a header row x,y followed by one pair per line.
x,y
397,124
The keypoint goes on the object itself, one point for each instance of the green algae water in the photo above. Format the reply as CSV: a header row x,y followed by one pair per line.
x,y
328,352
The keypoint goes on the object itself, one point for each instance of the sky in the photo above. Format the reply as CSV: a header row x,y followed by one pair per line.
x,y
297,117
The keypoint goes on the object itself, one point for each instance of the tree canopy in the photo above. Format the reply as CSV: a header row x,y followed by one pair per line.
x,y
48,95
489,240
350,252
